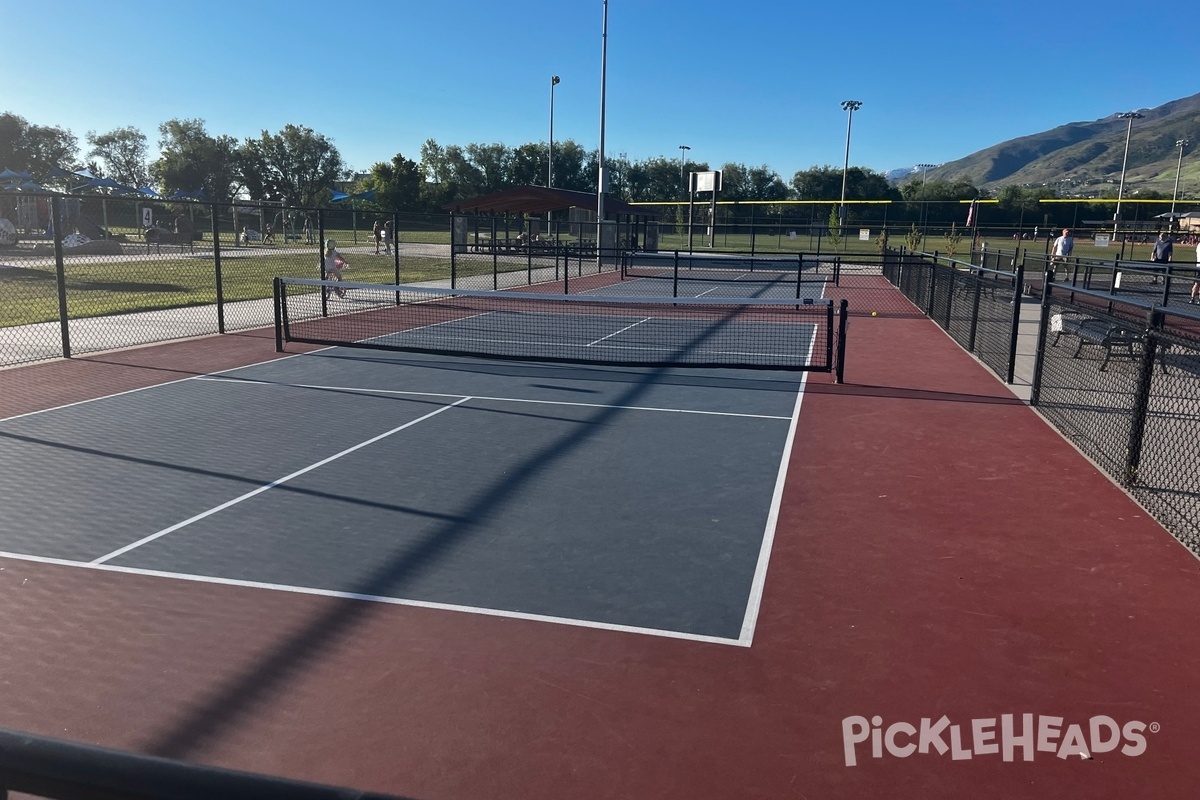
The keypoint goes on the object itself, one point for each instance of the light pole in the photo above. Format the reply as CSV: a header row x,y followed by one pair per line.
x,y
1182,143
924,217
550,160
849,106
1131,116
683,148
601,188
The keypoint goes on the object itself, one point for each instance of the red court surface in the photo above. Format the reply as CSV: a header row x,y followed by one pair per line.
x,y
941,552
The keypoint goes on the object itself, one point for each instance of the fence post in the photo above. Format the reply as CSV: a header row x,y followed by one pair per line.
x,y
495,256
974,311
60,276
321,260
1015,330
1141,399
675,277
1040,354
216,234
454,248
396,247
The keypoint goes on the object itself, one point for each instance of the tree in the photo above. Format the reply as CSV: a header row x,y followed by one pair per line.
x,y
191,160
296,165
653,179
739,182
35,149
397,184
818,183
527,165
835,228
122,152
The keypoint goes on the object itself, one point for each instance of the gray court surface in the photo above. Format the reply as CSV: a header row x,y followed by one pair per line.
x,y
634,499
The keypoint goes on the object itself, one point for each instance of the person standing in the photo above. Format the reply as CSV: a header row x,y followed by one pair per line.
x,y
1061,250
377,229
1162,253
389,233
334,264
1196,277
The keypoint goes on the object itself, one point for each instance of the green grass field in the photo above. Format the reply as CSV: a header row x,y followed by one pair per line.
x,y
98,286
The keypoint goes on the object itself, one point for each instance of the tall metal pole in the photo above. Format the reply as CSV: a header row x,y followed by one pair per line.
x,y
682,191
924,216
849,106
1182,143
550,160
600,188
1131,116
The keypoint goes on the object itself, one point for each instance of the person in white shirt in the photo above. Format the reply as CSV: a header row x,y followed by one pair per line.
x,y
1196,282
1060,251
334,264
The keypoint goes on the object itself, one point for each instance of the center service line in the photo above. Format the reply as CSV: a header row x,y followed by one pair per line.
x,y
271,485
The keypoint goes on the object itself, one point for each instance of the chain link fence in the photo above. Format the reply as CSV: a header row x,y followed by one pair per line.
x,y
979,307
1120,378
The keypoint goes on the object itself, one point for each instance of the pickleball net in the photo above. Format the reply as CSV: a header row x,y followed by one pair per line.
x,y
754,333
783,269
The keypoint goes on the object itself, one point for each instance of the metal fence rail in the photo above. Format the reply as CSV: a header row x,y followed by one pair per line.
x,y
979,307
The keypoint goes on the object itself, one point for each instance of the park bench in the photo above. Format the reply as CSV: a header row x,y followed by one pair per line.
x,y
1090,330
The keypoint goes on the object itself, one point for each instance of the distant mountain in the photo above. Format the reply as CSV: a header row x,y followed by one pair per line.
x,y
901,175
1082,158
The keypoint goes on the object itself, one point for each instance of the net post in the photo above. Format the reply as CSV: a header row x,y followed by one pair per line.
x,y
844,309
837,270
277,288
675,277
396,247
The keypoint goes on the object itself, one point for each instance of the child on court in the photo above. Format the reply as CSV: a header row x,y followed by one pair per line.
x,y
333,265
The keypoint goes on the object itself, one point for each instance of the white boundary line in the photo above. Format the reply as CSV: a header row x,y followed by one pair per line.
x,y
160,385
617,333
271,485
372,598
406,393
754,603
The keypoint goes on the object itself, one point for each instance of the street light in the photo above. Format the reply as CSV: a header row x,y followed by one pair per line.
x,y
849,106
1131,116
602,176
683,148
1182,143
924,217
550,161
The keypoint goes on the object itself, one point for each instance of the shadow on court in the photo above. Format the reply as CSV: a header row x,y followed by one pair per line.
x,y
242,694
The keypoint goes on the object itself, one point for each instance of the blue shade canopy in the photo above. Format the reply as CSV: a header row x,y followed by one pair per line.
x,y
104,183
339,196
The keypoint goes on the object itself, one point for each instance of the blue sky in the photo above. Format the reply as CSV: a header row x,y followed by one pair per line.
x,y
756,82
